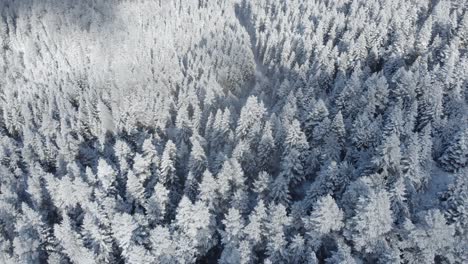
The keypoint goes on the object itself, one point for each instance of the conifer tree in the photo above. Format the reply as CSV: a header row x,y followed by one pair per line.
x,y
276,227
295,154
455,156
372,220
325,217
232,236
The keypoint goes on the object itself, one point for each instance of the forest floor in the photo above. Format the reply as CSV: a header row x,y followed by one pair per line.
x,y
439,183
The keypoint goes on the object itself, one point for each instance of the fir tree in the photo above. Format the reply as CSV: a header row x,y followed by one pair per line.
x,y
456,155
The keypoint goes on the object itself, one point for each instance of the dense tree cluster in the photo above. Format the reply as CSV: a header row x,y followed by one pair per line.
x,y
264,131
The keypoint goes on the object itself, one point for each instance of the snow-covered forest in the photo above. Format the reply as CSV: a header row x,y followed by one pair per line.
x,y
222,131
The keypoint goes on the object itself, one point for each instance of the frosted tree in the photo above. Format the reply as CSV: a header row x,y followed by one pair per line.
x,y
150,155
196,222
312,258
191,187
336,139
232,236
250,121
27,245
208,190
36,187
430,240
457,213
388,155
341,255
106,118
326,217
266,149
456,154
157,204
262,185
162,242
289,112
125,227
276,228
66,193
243,154
71,242
197,162
320,132
364,131
371,222
331,179
168,171
425,152
424,36
255,229
338,126
230,178
183,125
97,235
377,89
410,165
135,189
279,192
106,176
240,200
318,114
295,154
220,130
123,153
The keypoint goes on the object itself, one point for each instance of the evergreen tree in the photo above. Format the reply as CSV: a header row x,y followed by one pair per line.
x,y
262,185
196,222
297,249
255,229
341,255
279,192
232,236
168,175
266,149
295,154
249,124
157,203
430,240
318,114
456,155
371,222
106,176
456,210
208,189
325,217
71,242
197,162
276,227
